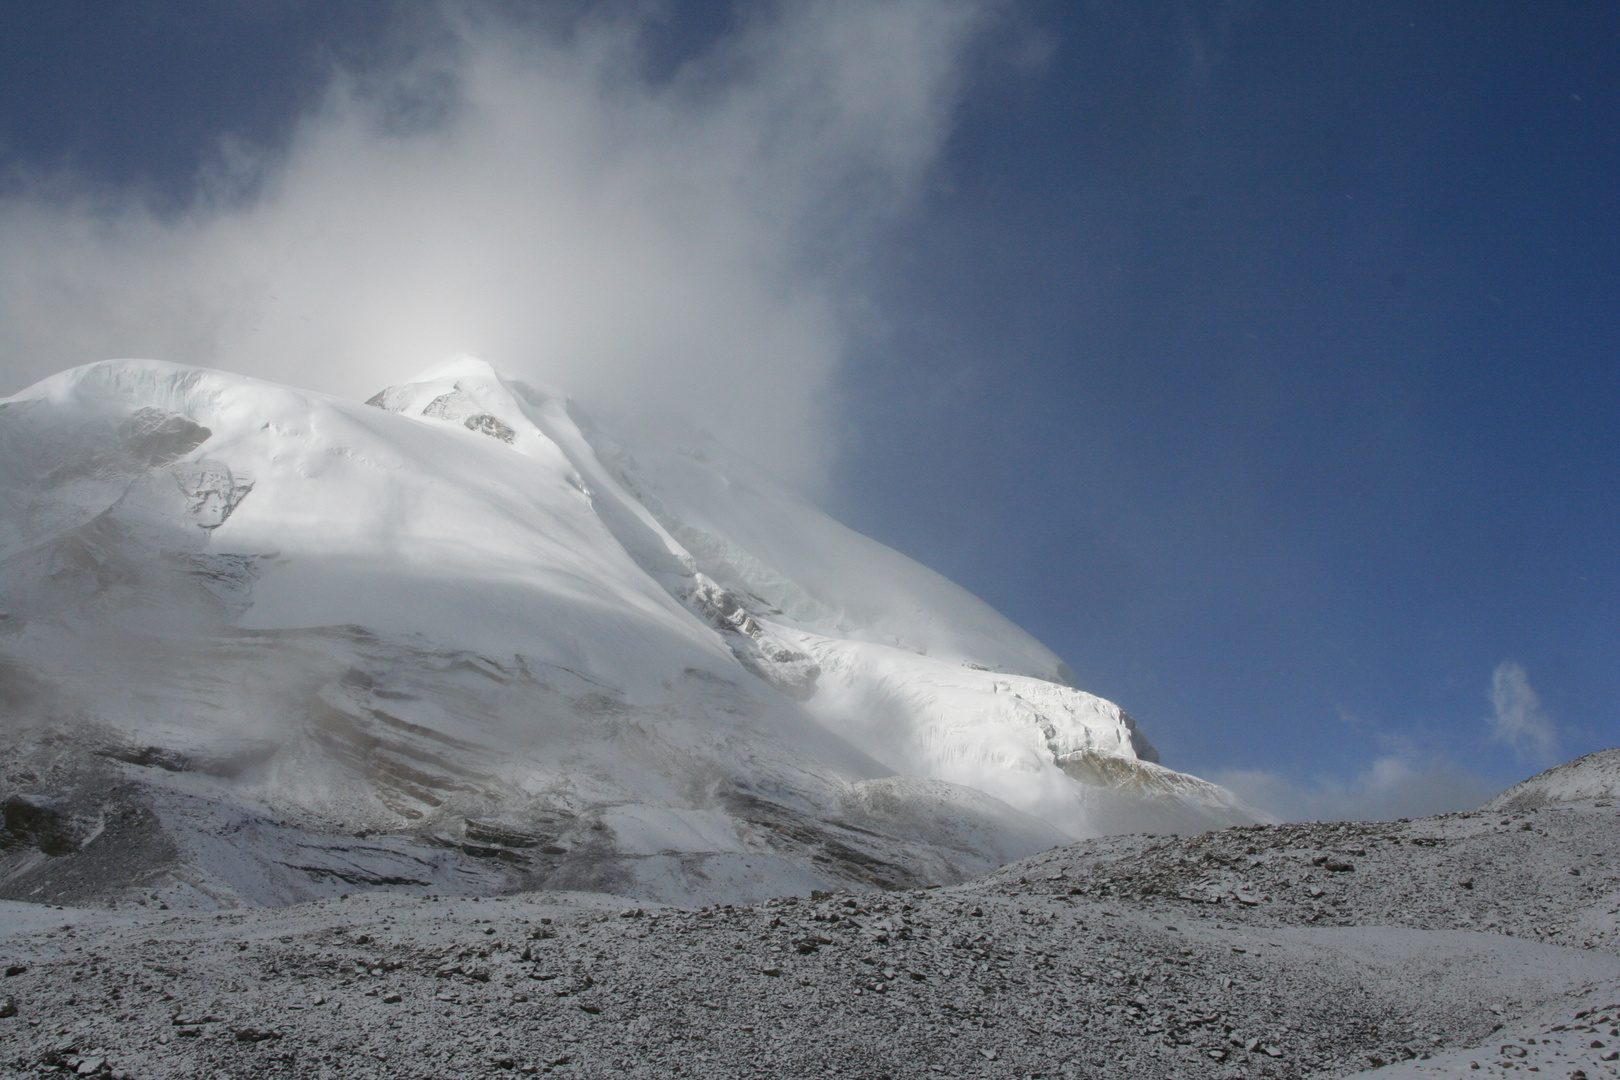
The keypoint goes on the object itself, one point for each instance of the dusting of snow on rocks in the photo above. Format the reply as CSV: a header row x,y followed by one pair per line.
x,y
1594,778
1475,944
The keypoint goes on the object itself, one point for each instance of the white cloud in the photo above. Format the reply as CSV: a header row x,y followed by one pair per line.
x,y
527,195
1518,720
1399,783
1403,781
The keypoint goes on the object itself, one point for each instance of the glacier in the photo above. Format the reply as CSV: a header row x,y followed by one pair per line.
x,y
259,644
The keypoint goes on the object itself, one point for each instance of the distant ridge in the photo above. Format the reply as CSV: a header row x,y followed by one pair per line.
x,y
1592,778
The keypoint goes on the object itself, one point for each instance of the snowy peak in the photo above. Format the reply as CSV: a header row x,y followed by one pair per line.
x,y
722,515
540,423
906,666
469,608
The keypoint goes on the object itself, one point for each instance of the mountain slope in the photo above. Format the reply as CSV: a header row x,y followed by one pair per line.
x,y
1474,944
508,646
1592,778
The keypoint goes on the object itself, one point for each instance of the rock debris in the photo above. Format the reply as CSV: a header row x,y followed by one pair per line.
x,y
1238,953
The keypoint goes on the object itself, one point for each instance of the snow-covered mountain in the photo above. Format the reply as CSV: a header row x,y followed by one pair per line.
x,y
504,643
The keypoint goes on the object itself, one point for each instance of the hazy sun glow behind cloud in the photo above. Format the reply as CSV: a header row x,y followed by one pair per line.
x,y
530,196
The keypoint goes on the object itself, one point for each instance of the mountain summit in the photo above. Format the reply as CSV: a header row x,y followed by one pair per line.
x,y
258,644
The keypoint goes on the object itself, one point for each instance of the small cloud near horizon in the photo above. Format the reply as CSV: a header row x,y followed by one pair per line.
x,y
1399,783
1403,782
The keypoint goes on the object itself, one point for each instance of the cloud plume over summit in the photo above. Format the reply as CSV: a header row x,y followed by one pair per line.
x,y
532,195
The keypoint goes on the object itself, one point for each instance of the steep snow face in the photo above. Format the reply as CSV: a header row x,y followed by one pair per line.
x,y
466,610
909,667
1589,779
803,569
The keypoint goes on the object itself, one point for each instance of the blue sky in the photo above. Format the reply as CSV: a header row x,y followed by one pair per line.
x,y
1261,358
1282,353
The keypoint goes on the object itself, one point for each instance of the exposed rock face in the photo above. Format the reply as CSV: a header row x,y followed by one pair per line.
x,y
756,648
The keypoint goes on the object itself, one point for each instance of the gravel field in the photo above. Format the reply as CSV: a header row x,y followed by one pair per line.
x,y
1469,945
